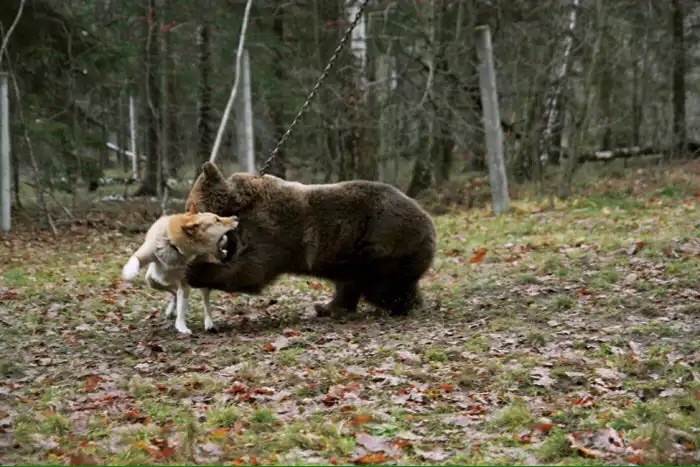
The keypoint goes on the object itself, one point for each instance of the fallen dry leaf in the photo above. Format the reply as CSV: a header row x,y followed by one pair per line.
x,y
478,255
635,247
9,295
582,450
219,433
372,443
608,439
436,454
361,419
371,458
459,420
608,373
543,426
407,356
82,459
281,343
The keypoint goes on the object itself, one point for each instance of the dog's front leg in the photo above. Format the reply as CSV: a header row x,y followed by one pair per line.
x,y
208,321
183,292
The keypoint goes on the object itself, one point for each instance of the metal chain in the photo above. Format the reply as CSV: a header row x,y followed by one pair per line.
x,y
273,154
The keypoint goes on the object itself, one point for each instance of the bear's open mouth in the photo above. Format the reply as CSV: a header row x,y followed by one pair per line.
x,y
227,246
223,243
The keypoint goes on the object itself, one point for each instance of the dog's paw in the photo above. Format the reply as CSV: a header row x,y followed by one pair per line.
x,y
209,325
182,328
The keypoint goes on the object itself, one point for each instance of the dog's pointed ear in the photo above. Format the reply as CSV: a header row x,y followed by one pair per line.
x,y
212,173
190,226
191,208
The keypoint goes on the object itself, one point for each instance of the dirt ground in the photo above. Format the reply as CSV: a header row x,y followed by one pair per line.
x,y
566,334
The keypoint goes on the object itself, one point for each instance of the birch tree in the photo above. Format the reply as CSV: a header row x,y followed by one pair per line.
x,y
554,106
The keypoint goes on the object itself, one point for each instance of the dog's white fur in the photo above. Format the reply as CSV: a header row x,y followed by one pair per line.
x,y
171,243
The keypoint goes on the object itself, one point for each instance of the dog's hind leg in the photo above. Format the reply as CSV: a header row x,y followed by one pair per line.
x,y
152,277
183,292
208,321
172,305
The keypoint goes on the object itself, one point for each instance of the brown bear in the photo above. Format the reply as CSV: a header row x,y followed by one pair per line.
x,y
367,237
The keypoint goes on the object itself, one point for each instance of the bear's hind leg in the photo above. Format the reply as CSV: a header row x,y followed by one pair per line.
x,y
345,300
398,297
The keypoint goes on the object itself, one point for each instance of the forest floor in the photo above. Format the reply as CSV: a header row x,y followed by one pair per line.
x,y
566,334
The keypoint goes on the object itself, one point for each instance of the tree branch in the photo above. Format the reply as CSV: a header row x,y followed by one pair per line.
x,y
6,39
234,89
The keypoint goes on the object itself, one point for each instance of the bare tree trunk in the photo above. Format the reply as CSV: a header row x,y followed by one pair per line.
x,y
205,132
364,162
38,185
606,83
171,137
279,165
150,181
636,105
442,149
385,78
641,85
680,142
165,110
133,138
576,148
163,146
245,138
554,108
422,174
15,173
121,141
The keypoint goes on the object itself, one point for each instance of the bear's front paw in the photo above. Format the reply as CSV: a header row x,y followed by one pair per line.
x,y
330,309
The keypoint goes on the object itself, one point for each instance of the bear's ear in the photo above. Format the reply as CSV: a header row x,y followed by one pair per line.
x,y
212,173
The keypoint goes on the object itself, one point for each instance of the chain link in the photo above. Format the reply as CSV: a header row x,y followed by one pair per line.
x,y
273,154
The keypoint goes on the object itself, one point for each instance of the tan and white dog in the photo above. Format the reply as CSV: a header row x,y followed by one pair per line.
x,y
171,243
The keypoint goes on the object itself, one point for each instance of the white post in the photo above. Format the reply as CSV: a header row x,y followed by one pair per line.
x,y
5,169
492,122
244,118
132,131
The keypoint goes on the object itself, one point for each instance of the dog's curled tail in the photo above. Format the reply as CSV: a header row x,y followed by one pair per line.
x,y
131,268
140,257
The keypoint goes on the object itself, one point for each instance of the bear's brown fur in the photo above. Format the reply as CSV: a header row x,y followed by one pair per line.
x,y
367,237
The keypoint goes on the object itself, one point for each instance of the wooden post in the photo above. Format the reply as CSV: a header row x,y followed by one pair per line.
x,y
244,118
492,122
5,169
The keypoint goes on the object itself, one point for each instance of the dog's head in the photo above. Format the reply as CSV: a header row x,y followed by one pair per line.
x,y
201,232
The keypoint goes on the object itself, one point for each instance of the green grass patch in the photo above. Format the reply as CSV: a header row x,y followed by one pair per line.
x,y
555,447
512,417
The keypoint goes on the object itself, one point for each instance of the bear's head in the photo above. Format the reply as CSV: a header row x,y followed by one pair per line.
x,y
212,192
